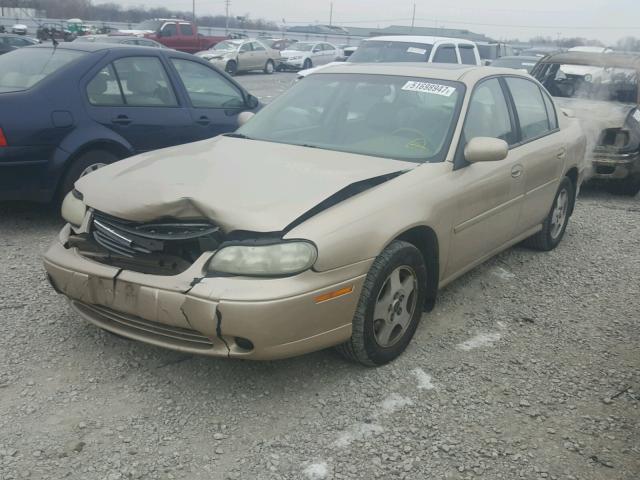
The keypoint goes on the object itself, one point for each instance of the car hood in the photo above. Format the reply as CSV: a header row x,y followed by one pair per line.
x,y
292,53
605,114
236,183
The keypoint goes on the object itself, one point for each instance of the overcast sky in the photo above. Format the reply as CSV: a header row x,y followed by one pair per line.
x,y
606,20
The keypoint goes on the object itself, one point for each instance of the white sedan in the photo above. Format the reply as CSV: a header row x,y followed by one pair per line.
x,y
303,55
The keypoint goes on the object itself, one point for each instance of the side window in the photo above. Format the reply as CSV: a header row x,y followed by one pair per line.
x,y
103,90
467,54
170,30
257,46
186,29
317,48
246,47
530,108
446,54
488,114
206,87
328,47
144,82
551,111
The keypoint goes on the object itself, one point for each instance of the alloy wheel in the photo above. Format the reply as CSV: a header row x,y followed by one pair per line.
x,y
395,305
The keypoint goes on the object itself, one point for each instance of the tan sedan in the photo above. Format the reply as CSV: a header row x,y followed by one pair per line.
x,y
235,56
331,218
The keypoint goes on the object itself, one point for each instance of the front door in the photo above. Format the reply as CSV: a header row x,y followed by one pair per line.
x,y
215,102
490,194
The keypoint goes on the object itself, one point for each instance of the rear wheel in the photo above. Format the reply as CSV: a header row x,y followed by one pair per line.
x,y
307,64
85,164
390,306
556,222
269,67
232,67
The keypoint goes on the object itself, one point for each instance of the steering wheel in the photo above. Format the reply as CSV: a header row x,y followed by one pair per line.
x,y
420,137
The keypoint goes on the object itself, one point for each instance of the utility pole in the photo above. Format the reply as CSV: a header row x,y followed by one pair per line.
x,y
193,11
330,13
413,18
226,24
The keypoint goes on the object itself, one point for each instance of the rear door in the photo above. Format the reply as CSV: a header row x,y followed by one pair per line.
x,y
214,101
134,97
541,147
490,193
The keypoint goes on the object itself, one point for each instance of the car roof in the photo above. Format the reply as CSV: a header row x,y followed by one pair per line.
x,y
468,74
91,47
518,57
619,60
419,39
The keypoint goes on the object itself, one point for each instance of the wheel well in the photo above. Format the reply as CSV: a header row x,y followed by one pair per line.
x,y
426,240
572,175
113,148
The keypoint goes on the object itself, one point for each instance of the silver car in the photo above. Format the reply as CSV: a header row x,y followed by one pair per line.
x,y
242,55
303,55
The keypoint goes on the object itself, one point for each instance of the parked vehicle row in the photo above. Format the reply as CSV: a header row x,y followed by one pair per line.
x,y
330,218
70,109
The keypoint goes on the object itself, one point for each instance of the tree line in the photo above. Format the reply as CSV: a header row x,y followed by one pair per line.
x,y
112,12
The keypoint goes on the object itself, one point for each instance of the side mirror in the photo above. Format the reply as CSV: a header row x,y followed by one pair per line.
x,y
485,149
252,102
244,117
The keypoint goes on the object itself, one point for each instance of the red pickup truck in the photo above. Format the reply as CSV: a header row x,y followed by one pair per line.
x,y
174,33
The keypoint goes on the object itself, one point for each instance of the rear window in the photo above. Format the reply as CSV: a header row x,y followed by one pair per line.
x,y
387,51
21,70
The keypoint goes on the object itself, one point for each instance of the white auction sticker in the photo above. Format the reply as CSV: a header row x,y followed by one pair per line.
x,y
436,89
419,51
636,115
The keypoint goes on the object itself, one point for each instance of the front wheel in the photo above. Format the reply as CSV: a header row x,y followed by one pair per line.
x,y
390,306
269,67
307,64
231,68
556,222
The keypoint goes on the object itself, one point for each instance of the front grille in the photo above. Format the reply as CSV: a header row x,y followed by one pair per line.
x,y
105,317
159,248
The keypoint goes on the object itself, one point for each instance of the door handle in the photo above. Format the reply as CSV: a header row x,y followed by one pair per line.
x,y
203,120
121,120
516,171
562,153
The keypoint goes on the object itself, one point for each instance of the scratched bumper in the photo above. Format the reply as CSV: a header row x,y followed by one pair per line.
x,y
210,316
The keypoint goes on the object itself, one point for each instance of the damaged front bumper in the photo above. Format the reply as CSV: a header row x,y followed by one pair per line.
x,y
241,317
615,166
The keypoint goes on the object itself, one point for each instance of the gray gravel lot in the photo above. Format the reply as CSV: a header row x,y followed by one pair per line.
x,y
527,368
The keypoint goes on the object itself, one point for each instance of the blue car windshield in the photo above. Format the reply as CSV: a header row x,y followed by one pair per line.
x,y
24,68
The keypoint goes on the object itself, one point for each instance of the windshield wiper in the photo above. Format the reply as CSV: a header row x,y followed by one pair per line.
x,y
237,135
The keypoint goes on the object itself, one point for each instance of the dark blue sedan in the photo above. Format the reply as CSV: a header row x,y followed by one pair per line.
x,y
67,110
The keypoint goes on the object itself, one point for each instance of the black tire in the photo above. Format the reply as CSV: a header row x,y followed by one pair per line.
x,y
545,240
79,165
363,347
307,64
269,67
280,68
628,187
231,67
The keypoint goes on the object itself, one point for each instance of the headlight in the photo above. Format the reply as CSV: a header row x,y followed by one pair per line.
x,y
73,208
284,258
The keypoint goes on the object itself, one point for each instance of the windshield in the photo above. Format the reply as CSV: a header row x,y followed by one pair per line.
x,y
21,70
152,25
590,82
384,51
394,117
226,46
302,47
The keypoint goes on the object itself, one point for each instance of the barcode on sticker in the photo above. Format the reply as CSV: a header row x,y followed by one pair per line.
x,y
436,89
419,51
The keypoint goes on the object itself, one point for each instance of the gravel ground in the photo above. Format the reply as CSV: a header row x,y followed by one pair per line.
x,y
527,368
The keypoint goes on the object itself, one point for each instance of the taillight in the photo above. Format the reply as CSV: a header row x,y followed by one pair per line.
x,y
3,139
